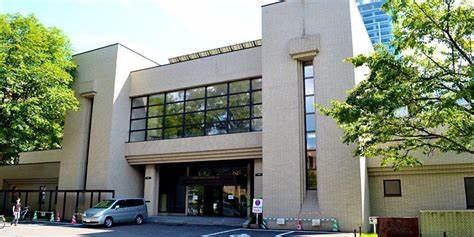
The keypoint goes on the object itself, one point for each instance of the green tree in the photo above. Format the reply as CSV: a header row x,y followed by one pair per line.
x,y
36,75
420,99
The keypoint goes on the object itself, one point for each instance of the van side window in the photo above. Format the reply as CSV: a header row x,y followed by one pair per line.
x,y
135,202
120,203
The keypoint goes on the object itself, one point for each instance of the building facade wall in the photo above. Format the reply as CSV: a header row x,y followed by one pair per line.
x,y
27,173
214,69
97,68
435,187
104,75
338,197
283,149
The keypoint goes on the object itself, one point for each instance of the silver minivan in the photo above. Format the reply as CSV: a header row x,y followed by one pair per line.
x,y
111,211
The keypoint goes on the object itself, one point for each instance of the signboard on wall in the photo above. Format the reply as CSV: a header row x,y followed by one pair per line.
x,y
257,206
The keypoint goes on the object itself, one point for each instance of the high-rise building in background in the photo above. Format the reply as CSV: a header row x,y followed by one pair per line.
x,y
377,22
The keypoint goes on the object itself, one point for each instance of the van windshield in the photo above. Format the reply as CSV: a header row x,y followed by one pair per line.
x,y
104,204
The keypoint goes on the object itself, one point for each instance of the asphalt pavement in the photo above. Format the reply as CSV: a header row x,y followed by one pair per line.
x,y
149,229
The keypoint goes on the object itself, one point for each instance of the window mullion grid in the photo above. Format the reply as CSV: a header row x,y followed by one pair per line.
x,y
163,125
205,124
130,123
305,124
227,123
184,113
205,110
251,105
146,116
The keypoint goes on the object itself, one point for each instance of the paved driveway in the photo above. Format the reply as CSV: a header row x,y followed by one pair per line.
x,y
149,229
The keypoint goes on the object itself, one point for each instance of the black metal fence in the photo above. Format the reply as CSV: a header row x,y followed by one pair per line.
x,y
57,200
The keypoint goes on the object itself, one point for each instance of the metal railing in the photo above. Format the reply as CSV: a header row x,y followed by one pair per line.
x,y
48,200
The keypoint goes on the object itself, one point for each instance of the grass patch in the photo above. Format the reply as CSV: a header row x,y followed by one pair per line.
x,y
368,235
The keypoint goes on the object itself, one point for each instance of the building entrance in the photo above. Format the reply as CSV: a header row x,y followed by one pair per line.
x,y
210,189
217,200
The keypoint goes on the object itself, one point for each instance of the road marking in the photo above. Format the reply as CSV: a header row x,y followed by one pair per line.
x,y
283,234
222,232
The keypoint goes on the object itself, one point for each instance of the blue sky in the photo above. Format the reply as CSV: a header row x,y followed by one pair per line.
x,y
159,29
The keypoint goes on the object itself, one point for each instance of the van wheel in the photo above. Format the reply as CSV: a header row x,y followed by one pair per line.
x,y
108,222
139,220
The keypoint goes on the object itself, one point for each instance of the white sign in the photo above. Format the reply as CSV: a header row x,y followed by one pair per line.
x,y
316,222
372,220
230,197
257,206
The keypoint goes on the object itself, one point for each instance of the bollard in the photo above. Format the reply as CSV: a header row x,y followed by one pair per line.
x,y
35,216
73,220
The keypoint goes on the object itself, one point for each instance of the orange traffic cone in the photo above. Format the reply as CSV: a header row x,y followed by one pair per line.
x,y
73,220
298,224
58,217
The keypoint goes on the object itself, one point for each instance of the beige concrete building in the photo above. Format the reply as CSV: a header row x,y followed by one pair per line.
x,y
210,131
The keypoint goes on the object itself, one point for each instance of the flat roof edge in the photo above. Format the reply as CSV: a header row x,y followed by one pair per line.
x,y
210,56
216,51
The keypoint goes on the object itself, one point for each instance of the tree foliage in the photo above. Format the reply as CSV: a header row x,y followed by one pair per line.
x,y
36,75
420,99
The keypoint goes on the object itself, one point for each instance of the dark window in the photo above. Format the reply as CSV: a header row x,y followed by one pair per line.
x,y
138,102
216,115
209,110
120,204
136,136
217,102
134,202
174,108
154,134
215,90
195,105
157,99
195,93
216,128
392,188
239,99
157,110
239,86
139,112
469,186
138,124
310,125
175,96
155,122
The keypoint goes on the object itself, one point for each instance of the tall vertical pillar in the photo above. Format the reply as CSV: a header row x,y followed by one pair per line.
x,y
151,188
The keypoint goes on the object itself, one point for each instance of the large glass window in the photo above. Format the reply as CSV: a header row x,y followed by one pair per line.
x,y
310,125
209,110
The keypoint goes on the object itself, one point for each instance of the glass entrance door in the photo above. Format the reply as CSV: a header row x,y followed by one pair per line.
x,y
217,200
234,201
212,200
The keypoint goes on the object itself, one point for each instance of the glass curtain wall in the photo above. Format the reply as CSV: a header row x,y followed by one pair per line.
x,y
223,108
310,123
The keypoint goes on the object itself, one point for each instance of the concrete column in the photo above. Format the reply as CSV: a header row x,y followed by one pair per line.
x,y
151,188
